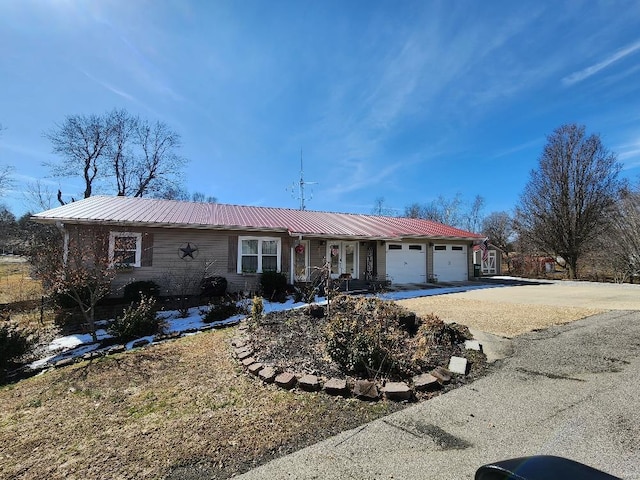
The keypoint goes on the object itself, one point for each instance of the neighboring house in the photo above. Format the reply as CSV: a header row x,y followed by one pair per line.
x,y
491,263
157,239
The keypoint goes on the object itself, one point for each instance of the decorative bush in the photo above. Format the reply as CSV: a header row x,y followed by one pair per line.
x,y
138,320
14,342
365,338
134,291
273,285
221,311
213,287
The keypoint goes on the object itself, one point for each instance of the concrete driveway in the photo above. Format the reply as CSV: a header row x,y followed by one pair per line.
x,y
571,390
506,308
601,296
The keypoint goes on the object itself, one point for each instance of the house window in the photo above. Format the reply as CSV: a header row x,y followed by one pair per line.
x,y
394,246
258,254
125,248
415,247
440,247
457,249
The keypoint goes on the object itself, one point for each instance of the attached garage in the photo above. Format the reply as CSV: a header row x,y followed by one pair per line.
x,y
450,263
406,262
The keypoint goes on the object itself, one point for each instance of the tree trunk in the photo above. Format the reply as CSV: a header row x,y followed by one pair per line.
x,y
572,269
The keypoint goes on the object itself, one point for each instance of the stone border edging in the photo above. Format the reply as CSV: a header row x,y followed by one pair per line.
x,y
362,389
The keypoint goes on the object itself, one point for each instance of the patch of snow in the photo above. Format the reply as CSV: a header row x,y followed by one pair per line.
x,y
79,344
72,341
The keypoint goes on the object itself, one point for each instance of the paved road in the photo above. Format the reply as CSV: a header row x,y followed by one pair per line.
x,y
571,390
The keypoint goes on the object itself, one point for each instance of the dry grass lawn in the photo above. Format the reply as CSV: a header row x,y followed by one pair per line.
x,y
16,285
503,319
141,414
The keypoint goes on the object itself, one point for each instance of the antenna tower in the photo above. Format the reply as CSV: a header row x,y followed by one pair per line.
x,y
301,185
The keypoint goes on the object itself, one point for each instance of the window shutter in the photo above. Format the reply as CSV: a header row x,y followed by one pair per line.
x,y
147,250
232,255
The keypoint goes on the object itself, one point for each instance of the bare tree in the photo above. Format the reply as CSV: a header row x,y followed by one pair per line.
x,y
139,156
498,226
171,192
564,206
473,216
440,210
6,179
81,140
623,241
77,266
38,196
380,208
202,198
159,161
449,211
121,158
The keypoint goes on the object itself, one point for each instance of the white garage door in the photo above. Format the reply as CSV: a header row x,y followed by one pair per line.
x,y
407,262
450,263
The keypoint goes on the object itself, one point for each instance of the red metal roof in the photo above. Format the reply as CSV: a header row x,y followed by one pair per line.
x,y
170,213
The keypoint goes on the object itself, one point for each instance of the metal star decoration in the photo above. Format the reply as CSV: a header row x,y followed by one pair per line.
x,y
188,251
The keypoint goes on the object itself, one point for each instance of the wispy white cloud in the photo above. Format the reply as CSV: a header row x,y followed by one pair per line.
x,y
518,148
629,154
364,175
110,87
581,75
23,150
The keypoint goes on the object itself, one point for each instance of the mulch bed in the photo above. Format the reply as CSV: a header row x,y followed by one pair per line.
x,y
296,341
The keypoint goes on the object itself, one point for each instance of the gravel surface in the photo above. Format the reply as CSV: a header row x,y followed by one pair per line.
x,y
505,319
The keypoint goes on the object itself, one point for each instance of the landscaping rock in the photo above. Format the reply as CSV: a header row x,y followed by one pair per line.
x,y
442,374
116,349
397,391
458,365
140,343
65,362
286,380
426,381
336,386
366,390
238,342
267,374
255,368
248,361
309,382
91,355
473,345
243,353
167,336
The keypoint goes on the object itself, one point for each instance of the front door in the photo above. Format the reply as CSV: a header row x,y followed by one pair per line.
x,y
343,258
300,263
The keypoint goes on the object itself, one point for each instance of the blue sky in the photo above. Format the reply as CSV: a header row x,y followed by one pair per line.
x,y
404,100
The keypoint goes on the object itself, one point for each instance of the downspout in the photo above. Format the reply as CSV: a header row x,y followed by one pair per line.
x,y
65,236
